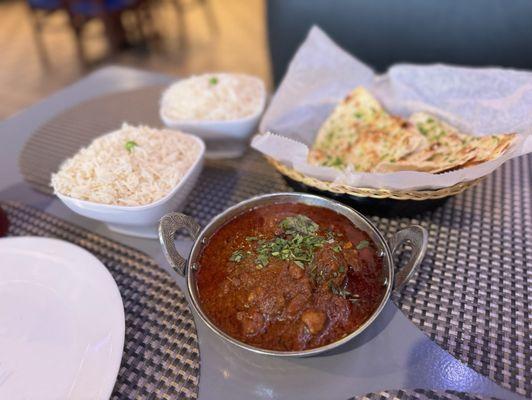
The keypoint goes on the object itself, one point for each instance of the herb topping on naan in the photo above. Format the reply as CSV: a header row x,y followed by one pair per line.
x,y
361,134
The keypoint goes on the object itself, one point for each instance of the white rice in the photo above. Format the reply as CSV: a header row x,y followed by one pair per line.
x,y
213,97
107,172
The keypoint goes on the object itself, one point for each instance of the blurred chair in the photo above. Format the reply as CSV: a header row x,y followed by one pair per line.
x,y
110,12
40,10
80,12
384,32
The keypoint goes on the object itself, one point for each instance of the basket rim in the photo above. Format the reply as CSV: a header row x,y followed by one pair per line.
x,y
417,195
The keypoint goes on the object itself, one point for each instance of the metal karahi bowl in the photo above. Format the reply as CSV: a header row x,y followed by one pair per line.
x,y
415,236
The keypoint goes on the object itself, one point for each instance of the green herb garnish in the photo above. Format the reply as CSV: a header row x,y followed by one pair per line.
x,y
337,248
362,244
299,224
346,294
338,291
297,243
237,256
213,81
262,259
335,162
130,144
440,134
423,130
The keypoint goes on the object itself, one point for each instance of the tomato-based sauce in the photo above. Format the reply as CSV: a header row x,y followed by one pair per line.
x,y
289,277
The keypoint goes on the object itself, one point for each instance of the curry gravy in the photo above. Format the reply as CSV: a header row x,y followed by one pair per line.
x,y
289,277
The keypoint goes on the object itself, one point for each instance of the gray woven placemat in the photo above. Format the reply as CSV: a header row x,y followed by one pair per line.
x,y
421,394
472,295
161,354
473,292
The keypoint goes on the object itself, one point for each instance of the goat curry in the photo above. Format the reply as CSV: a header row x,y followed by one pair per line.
x,y
289,277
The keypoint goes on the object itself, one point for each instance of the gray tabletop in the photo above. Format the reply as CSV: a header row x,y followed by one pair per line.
x,y
392,354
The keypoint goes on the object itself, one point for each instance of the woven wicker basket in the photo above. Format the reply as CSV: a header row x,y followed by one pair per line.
x,y
418,195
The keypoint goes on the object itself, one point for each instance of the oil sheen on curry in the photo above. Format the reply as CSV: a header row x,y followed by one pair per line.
x,y
289,277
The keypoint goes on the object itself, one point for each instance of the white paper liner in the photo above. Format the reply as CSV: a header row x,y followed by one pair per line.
x,y
478,101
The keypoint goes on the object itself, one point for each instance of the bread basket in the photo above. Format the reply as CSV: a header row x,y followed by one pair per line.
x,y
384,202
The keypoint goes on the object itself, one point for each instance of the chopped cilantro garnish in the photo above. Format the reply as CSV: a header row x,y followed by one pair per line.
x,y
298,224
362,244
346,294
237,256
262,259
130,144
335,162
422,129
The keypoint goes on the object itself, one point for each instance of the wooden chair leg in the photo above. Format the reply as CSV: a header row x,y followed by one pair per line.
x,y
144,21
209,16
181,24
36,24
139,26
146,12
77,27
114,31
79,48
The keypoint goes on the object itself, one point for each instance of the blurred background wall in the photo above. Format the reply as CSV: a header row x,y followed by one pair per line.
x,y
47,44
384,32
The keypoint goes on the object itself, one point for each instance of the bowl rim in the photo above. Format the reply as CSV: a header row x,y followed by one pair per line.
x,y
102,206
247,205
205,122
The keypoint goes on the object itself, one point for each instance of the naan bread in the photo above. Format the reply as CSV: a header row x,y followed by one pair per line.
x,y
490,147
361,134
448,149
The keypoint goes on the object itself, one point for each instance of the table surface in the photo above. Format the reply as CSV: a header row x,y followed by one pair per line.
x,y
392,354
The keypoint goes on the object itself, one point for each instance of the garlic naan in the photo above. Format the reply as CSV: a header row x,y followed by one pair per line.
x,y
447,148
361,134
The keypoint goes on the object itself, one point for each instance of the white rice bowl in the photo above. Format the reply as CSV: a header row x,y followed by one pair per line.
x,y
132,166
213,97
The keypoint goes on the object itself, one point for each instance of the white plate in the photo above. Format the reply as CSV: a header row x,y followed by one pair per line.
x,y
61,322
